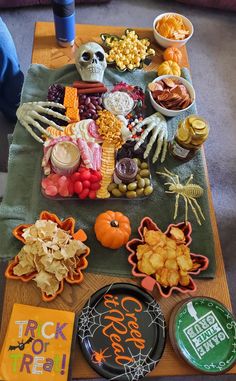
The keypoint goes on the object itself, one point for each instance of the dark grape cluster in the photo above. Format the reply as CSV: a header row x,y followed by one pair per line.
x,y
56,93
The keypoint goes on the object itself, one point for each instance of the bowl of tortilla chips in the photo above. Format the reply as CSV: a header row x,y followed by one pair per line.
x,y
52,254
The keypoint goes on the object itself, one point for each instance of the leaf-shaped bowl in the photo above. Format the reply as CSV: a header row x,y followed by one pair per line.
x,y
148,281
69,226
105,36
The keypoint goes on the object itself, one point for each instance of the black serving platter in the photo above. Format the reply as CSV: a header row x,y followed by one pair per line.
x,y
122,332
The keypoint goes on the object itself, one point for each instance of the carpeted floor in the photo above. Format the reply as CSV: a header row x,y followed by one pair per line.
x,y
212,53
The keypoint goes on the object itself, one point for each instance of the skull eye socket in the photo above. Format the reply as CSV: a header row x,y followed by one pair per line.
x,y
86,56
100,56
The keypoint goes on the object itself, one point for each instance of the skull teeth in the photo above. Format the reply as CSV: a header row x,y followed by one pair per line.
x,y
93,69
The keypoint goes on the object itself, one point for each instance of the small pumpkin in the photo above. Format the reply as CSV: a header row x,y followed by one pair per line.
x,y
169,68
172,54
112,229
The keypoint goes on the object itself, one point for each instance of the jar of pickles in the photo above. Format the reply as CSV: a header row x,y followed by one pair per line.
x,y
190,135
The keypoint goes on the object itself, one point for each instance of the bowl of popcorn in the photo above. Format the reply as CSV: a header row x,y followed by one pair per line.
x,y
171,95
52,253
164,259
172,29
127,52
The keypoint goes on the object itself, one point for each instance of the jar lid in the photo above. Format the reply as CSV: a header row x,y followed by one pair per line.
x,y
126,169
203,331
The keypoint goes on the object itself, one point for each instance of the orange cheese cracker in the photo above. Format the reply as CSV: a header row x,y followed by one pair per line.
x,y
70,98
73,114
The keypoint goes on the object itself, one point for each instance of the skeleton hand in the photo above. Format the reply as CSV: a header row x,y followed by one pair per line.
x,y
157,124
29,113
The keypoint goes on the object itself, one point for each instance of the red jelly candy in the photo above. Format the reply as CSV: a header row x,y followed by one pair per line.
x,y
78,187
84,193
98,175
93,179
71,189
75,177
86,184
95,186
46,182
62,181
92,194
51,190
54,177
63,191
85,175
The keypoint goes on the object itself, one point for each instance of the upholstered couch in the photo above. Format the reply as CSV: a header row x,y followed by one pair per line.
x,y
221,4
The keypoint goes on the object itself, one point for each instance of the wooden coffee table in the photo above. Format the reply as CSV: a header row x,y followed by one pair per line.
x,y
46,51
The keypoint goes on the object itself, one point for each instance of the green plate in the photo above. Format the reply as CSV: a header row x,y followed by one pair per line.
x,y
203,332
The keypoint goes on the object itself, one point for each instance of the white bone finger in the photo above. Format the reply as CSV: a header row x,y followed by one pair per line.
x,y
31,132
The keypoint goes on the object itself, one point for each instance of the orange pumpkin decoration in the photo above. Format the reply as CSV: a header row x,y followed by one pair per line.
x,y
112,229
172,53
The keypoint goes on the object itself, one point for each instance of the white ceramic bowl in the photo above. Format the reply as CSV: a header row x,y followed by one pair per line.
x,y
165,111
166,42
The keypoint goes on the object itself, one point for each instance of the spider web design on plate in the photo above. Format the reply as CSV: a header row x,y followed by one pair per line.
x,y
139,368
156,316
90,319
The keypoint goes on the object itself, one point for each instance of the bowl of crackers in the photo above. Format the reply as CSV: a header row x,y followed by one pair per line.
x,y
171,95
164,260
53,253
172,29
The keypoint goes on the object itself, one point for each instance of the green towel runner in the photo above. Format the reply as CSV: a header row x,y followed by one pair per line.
x,y
23,200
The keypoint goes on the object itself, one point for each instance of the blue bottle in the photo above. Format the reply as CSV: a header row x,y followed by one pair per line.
x,y
64,18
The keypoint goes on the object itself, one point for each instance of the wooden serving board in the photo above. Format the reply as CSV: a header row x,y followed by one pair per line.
x,y
46,51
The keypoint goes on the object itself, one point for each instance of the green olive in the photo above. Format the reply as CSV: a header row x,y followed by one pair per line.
x,y
122,188
138,177
137,161
140,192
132,186
144,165
147,182
131,194
116,192
141,183
144,173
148,190
111,187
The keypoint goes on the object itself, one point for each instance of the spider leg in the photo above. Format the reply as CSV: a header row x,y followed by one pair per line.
x,y
190,179
198,207
176,205
186,207
173,175
194,211
170,192
167,175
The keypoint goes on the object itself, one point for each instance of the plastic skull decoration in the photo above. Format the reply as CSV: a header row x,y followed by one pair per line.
x,y
91,62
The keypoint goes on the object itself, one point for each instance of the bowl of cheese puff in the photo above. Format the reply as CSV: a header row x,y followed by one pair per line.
x,y
164,259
